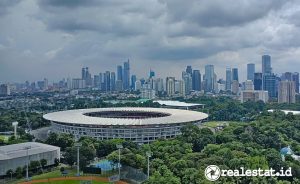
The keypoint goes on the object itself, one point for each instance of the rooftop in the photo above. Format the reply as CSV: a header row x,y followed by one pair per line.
x,y
177,103
19,150
80,116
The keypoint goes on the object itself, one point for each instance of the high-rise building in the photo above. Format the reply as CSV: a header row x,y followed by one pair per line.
x,y
147,93
138,85
126,75
266,64
96,81
228,79
248,85
113,81
258,81
235,87
187,79
189,70
85,75
269,84
286,92
170,86
4,89
151,74
250,71
119,73
196,80
159,85
235,74
295,78
119,85
180,87
254,95
133,79
107,81
78,84
209,78
286,76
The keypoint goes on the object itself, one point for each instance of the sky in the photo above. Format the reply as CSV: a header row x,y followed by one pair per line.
x,y
55,38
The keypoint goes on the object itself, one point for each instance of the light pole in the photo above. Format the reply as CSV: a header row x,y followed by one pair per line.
x,y
78,145
11,172
27,148
149,154
119,146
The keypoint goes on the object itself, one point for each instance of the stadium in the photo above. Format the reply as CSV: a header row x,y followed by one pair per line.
x,y
140,125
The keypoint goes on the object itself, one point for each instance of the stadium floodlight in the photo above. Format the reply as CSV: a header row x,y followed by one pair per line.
x,y
119,146
27,164
15,125
78,145
148,154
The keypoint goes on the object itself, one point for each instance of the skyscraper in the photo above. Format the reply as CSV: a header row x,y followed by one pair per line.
x,y
266,64
295,78
196,80
286,92
189,70
209,78
235,74
250,71
119,73
113,81
151,74
133,80
126,76
170,86
269,84
107,81
258,81
187,79
228,79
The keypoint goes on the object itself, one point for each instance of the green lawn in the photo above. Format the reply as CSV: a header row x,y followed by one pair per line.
x,y
54,174
213,124
4,138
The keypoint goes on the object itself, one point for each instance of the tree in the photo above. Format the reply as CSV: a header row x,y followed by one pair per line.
x,y
43,162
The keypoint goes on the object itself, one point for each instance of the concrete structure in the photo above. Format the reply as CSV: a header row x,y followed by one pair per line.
x,y
4,89
254,95
141,125
250,71
179,105
248,85
286,92
147,93
15,155
170,86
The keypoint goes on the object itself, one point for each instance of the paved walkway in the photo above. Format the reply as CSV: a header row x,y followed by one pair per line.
x,y
94,178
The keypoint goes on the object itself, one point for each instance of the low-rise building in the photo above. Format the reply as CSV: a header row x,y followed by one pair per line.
x,y
18,155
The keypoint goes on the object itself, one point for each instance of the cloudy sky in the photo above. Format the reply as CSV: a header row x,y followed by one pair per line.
x,y
55,38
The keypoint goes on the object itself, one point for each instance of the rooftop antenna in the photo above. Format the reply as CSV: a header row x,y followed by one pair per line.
x,y
15,125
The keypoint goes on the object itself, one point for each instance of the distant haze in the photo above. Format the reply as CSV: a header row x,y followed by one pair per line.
x,y
55,38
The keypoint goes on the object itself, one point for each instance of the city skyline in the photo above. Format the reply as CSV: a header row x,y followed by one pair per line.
x,y
53,39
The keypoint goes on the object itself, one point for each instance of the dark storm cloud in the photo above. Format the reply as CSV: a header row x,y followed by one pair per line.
x,y
152,33
5,5
211,13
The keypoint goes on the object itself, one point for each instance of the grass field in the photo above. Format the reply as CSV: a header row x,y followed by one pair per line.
x,y
214,124
54,174
4,138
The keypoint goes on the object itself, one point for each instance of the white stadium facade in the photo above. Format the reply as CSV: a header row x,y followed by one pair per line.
x,y
140,125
